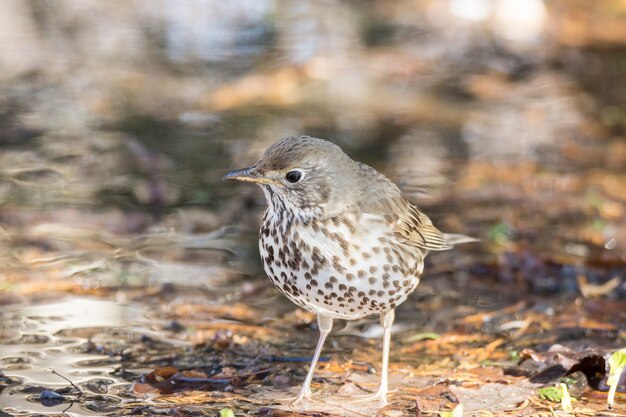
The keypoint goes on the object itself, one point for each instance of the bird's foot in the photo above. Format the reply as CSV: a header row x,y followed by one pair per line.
x,y
379,396
302,399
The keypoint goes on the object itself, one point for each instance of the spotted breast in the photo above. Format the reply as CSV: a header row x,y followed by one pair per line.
x,y
348,266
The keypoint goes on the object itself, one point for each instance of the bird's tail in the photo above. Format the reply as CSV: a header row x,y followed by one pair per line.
x,y
456,239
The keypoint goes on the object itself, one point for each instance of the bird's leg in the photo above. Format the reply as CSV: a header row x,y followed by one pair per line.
x,y
325,324
386,320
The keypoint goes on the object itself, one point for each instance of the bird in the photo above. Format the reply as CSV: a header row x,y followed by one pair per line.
x,y
339,239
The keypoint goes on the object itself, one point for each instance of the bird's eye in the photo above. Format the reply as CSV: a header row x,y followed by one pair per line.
x,y
293,176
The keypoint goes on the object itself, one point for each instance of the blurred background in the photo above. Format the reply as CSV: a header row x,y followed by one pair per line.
x,y
122,117
501,119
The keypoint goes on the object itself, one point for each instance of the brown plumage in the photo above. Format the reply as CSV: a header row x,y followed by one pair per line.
x,y
338,238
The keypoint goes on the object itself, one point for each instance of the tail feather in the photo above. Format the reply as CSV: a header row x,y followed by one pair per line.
x,y
456,239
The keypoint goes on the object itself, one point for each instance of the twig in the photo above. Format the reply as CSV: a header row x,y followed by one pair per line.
x,y
80,392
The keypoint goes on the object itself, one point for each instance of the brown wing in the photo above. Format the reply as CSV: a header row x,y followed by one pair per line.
x,y
417,229
411,226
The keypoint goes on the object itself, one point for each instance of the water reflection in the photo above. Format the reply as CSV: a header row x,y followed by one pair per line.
x,y
511,20
43,343
212,31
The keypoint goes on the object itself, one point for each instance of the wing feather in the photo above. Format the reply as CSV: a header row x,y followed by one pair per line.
x,y
410,225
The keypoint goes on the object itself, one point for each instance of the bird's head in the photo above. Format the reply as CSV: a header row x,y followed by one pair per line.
x,y
309,176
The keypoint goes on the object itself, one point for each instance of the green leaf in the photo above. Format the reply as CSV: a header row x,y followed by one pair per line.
x,y
226,412
421,336
553,394
617,363
499,233
456,412
566,400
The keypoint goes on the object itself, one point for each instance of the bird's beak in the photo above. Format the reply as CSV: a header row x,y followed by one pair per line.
x,y
249,174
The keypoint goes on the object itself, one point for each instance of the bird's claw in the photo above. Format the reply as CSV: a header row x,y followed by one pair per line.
x,y
303,398
379,396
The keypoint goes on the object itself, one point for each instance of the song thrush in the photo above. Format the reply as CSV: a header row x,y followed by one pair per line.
x,y
338,238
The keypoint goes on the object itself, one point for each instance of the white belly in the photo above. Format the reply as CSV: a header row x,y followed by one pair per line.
x,y
345,269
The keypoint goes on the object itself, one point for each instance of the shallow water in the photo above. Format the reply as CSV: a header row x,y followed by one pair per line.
x,y
43,345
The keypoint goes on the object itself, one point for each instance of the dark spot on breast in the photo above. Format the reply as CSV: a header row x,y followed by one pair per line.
x,y
319,261
342,242
338,267
350,225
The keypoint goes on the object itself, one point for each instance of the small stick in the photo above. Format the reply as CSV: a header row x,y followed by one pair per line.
x,y
80,392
